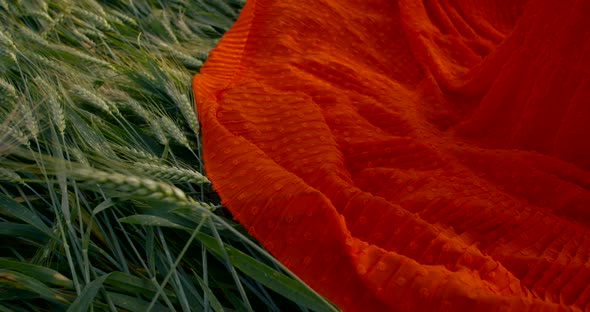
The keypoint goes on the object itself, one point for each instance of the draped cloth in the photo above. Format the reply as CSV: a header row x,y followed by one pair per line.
x,y
409,155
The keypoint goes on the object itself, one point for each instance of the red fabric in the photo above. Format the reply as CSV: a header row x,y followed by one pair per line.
x,y
409,155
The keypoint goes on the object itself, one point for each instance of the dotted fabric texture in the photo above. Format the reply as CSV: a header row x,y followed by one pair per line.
x,y
409,155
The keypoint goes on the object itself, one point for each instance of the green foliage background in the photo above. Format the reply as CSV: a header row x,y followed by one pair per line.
x,y
103,202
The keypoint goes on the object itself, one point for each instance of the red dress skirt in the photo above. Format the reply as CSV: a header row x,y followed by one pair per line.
x,y
409,155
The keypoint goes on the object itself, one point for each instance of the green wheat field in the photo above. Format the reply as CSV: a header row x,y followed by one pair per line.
x,y
104,205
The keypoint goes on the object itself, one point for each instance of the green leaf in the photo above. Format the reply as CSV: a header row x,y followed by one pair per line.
x,y
15,281
133,284
147,220
103,206
133,303
10,308
16,294
42,274
86,298
213,301
269,277
19,230
237,302
11,208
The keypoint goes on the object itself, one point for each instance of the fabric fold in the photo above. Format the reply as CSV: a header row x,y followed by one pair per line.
x,y
409,156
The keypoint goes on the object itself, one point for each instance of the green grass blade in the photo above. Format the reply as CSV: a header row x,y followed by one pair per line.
x,y
86,298
13,280
148,220
11,208
21,231
130,303
268,276
212,300
42,274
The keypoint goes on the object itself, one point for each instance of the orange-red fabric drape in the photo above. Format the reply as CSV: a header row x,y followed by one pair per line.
x,y
409,155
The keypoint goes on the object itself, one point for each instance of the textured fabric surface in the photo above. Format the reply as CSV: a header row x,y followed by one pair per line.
x,y
409,155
